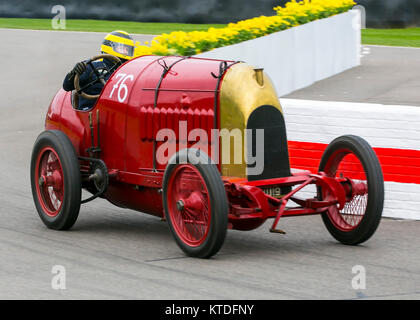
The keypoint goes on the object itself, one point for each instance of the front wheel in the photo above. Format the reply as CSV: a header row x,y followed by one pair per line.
x,y
195,203
56,180
352,159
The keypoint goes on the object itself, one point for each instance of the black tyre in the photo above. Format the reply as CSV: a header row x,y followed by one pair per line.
x,y
352,157
195,203
56,180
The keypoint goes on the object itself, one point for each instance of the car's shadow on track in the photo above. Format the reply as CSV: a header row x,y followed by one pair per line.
x,y
125,223
129,228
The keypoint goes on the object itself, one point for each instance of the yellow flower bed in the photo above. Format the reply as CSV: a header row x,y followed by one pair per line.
x,y
292,14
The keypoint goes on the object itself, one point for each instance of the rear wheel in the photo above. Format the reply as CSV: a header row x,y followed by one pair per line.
x,y
195,204
56,180
353,158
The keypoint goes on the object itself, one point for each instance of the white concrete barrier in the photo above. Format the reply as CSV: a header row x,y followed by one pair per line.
x,y
393,132
295,58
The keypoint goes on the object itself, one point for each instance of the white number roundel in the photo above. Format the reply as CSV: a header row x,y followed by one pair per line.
x,y
122,91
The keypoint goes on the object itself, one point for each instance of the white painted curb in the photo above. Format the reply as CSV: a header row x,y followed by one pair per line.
x,y
297,57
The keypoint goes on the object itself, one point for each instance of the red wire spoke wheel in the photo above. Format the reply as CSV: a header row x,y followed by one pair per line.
x,y
56,180
352,160
50,186
195,203
343,163
190,205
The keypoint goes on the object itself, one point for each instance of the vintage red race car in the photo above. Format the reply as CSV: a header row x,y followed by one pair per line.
x,y
152,142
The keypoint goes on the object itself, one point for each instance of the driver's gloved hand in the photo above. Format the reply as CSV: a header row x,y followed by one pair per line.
x,y
79,68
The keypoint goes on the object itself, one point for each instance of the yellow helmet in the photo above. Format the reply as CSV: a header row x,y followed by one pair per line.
x,y
118,43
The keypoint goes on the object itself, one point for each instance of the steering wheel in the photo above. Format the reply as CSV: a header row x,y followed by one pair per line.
x,y
100,76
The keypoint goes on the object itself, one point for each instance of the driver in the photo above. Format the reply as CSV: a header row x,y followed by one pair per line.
x,y
117,43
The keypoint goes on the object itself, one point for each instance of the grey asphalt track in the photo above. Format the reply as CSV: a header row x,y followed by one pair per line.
x,y
387,75
113,253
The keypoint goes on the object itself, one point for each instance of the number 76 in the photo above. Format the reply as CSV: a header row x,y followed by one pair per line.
x,y
122,92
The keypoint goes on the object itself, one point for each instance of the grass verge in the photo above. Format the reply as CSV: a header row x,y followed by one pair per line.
x,y
409,37
105,25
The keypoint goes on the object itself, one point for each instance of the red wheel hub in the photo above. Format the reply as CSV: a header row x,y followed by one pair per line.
x,y
189,204
50,187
